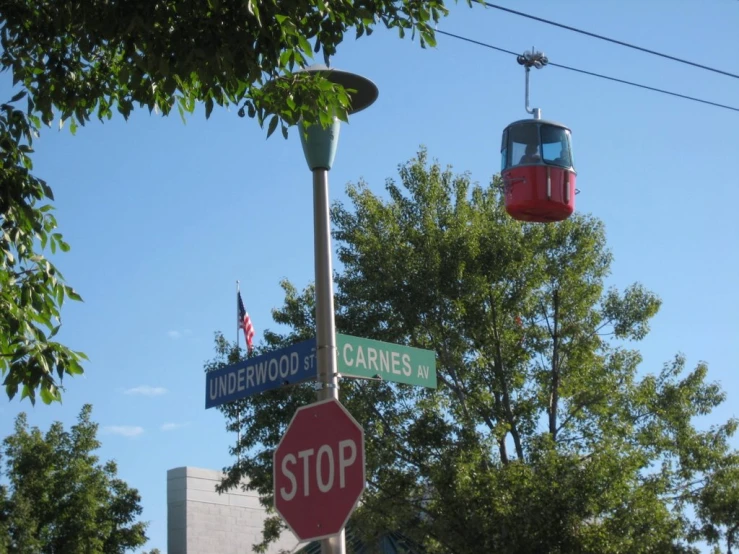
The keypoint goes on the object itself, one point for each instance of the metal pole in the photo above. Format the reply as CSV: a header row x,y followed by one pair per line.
x,y
238,410
327,378
529,60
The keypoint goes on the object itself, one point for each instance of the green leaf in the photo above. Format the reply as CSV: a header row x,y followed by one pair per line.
x,y
74,369
27,392
72,294
285,58
43,363
47,396
18,96
305,46
47,190
272,125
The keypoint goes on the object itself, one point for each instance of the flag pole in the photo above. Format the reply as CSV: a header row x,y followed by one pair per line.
x,y
238,315
238,409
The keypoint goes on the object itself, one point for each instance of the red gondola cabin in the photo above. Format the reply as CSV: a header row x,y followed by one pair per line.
x,y
538,171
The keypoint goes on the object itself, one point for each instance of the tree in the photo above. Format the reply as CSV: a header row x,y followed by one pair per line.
x,y
542,436
61,498
32,290
85,59
718,511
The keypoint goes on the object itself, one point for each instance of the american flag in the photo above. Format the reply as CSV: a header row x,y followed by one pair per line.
x,y
245,323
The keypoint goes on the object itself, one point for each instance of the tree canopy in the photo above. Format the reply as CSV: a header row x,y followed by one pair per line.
x,y
544,434
88,59
61,498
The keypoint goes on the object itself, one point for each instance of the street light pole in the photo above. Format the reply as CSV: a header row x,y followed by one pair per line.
x,y
328,381
319,147
325,324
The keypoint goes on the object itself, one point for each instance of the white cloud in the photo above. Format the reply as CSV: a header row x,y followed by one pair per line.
x,y
124,430
174,334
146,390
172,426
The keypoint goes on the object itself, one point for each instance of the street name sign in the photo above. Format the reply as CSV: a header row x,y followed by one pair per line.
x,y
392,362
357,357
319,470
286,366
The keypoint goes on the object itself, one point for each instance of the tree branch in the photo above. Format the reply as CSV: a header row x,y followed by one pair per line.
x,y
578,409
554,396
500,372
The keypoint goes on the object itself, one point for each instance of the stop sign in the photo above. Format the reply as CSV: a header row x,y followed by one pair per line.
x,y
319,470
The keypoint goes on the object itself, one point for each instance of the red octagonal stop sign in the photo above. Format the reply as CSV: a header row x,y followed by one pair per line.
x,y
319,470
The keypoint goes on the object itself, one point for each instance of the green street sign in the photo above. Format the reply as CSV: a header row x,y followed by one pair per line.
x,y
392,362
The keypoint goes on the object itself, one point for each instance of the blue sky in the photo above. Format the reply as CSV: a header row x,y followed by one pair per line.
x,y
164,217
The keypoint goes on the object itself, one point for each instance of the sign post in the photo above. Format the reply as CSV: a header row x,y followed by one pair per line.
x,y
319,470
319,147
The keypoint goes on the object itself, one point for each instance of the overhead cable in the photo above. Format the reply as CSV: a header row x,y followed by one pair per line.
x,y
593,74
613,40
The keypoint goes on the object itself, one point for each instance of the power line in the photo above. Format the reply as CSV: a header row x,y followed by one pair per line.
x,y
613,40
647,87
593,74
486,45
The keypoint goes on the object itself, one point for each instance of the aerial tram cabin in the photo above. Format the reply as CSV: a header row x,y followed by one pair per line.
x,y
536,163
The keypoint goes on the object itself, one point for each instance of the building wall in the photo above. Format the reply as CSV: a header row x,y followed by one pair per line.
x,y
201,521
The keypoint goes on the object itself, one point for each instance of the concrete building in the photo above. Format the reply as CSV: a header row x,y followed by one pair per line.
x,y
201,521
